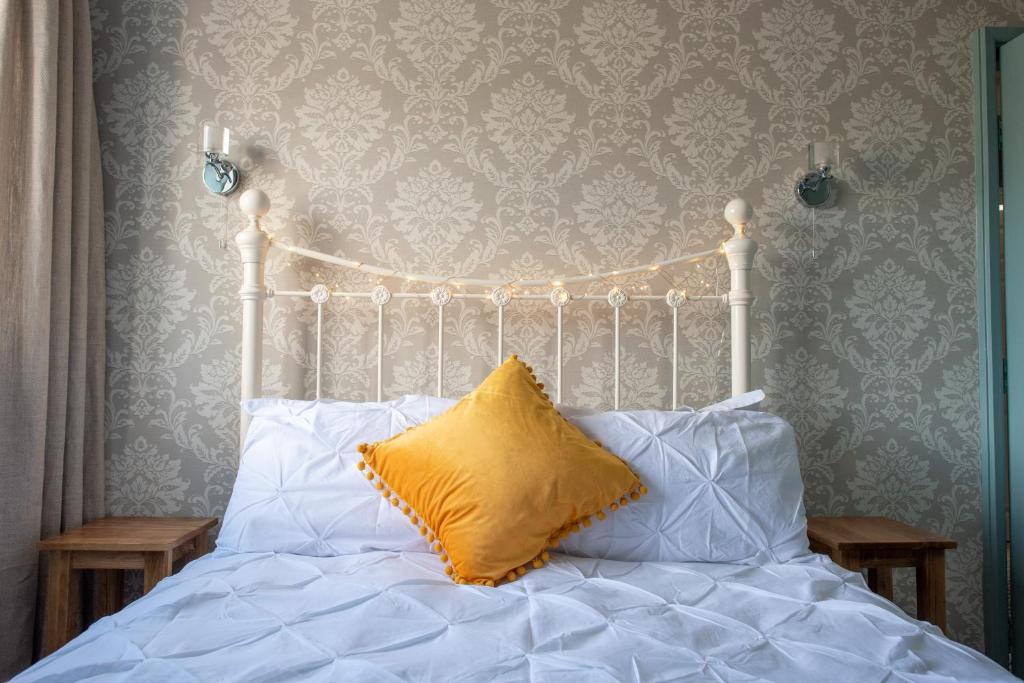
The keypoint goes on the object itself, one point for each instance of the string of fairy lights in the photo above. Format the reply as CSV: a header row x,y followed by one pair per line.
x,y
634,280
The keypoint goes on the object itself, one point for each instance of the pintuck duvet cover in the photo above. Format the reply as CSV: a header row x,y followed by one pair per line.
x,y
393,616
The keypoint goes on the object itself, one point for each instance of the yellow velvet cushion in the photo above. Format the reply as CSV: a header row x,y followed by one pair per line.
x,y
499,478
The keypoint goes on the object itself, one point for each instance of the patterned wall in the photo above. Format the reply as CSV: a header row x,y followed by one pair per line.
x,y
514,138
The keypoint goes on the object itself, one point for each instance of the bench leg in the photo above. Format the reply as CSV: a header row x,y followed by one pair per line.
x,y
880,581
156,566
110,585
59,608
931,588
203,545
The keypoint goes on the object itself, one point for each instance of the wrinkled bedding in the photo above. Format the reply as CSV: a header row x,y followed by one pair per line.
x,y
389,616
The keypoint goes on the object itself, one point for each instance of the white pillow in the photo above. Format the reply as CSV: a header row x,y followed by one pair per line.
x,y
723,486
748,401
298,490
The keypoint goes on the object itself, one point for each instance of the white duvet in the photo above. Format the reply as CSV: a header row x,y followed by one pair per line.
x,y
388,616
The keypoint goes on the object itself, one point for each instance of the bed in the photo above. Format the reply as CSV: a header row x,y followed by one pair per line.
x,y
381,616
304,587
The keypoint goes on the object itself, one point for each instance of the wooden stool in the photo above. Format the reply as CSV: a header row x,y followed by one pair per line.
x,y
879,544
109,546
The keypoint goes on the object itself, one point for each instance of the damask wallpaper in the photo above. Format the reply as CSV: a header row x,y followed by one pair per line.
x,y
513,138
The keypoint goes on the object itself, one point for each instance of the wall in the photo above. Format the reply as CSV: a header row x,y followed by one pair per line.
x,y
513,138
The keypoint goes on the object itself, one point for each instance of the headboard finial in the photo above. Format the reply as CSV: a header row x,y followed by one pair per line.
x,y
738,212
254,203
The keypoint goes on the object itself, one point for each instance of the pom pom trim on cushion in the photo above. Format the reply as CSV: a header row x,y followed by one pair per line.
x,y
539,560
434,541
553,541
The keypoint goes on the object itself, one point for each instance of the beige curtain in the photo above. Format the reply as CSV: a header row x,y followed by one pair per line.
x,y
51,300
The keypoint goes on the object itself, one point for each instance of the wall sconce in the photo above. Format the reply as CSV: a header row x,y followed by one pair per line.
x,y
220,176
817,188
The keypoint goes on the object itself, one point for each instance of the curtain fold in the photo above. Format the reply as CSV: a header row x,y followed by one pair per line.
x,y
52,344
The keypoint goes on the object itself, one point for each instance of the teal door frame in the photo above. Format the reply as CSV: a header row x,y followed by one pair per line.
x,y
991,348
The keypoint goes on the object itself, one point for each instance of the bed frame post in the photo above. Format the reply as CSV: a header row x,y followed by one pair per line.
x,y
739,251
253,244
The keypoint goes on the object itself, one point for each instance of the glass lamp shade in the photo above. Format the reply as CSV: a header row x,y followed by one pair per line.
x,y
216,140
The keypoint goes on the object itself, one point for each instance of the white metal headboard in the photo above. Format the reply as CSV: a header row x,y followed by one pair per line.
x,y
253,243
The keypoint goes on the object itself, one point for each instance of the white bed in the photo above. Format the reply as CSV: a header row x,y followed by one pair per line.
x,y
381,616
364,603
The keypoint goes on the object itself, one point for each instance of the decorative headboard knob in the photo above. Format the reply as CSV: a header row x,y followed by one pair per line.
x,y
675,298
617,298
738,213
380,295
320,294
500,296
254,203
440,296
560,296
